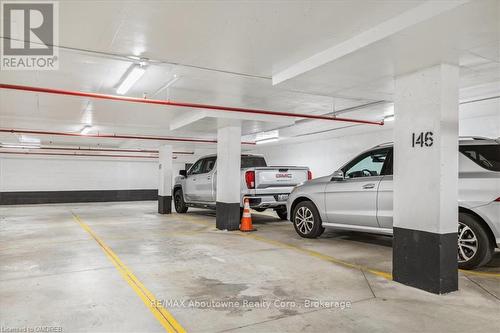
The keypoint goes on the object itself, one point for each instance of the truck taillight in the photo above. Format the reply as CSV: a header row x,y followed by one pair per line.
x,y
250,179
309,175
498,199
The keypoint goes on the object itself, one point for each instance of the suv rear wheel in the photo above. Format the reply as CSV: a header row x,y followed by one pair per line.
x,y
474,246
306,220
180,205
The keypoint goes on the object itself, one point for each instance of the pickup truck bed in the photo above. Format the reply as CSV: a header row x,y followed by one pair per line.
x,y
272,185
265,186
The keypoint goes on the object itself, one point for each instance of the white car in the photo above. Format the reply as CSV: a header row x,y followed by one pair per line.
x,y
364,184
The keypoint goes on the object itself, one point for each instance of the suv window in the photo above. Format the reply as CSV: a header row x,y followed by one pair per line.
x,y
196,168
366,165
389,163
486,156
209,164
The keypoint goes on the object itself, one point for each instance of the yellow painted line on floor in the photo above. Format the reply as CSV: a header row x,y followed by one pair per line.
x,y
161,314
197,221
489,274
318,255
386,275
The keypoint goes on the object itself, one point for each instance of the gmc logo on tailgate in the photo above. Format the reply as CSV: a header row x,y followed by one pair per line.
x,y
283,175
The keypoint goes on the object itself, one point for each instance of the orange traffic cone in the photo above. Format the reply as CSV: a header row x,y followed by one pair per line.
x,y
246,219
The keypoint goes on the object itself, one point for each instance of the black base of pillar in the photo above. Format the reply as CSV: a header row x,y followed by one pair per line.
x,y
425,260
227,216
165,204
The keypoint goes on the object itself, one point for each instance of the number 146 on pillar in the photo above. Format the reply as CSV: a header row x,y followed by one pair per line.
x,y
422,139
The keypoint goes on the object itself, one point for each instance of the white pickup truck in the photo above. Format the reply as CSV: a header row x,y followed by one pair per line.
x,y
265,187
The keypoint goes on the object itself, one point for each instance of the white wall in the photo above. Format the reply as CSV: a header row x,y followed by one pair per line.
x,y
76,173
34,173
480,119
323,156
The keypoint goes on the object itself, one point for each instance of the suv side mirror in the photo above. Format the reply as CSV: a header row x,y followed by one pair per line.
x,y
183,173
338,175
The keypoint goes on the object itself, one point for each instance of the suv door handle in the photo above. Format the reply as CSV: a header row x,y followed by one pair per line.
x,y
368,186
209,177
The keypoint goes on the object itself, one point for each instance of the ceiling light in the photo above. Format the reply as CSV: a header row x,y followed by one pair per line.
x,y
29,140
167,84
262,137
389,118
86,129
87,114
267,135
17,146
133,74
171,81
266,140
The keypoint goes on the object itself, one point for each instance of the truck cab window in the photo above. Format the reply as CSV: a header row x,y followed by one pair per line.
x,y
209,164
252,162
196,168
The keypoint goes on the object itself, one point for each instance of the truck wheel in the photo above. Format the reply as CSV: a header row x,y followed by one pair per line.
x,y
474,246
180,205
281,213
306,220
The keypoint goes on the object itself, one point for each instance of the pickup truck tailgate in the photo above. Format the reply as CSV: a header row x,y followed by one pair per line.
x,y
279,177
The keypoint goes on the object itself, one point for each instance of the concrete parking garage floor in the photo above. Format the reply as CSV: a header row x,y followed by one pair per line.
x,y
54,273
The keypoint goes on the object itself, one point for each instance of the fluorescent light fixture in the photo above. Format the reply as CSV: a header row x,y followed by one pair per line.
x,y
17,146
266,140
266,137
29,140
86,129
133,74
171,81
87,114
167,84
389,113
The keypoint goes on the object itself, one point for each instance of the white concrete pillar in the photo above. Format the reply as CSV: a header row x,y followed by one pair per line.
x,y
426,179
165,183
228,175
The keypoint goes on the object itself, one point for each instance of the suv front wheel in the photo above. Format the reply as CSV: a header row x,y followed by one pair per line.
x,y
474,246
306,220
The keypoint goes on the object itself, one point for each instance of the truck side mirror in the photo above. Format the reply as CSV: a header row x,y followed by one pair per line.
x,y
183,173
338,175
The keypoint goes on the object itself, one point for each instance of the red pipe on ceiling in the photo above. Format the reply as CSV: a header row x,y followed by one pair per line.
x,y
101,149
91,155
113,136
182,104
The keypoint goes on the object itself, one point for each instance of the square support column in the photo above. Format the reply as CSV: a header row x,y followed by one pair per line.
x,y
426,179
228,175
165,184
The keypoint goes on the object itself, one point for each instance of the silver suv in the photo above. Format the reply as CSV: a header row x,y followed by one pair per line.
x,y
358,197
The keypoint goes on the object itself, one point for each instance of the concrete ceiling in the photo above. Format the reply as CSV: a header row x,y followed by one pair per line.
x,y
229,53
464,33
